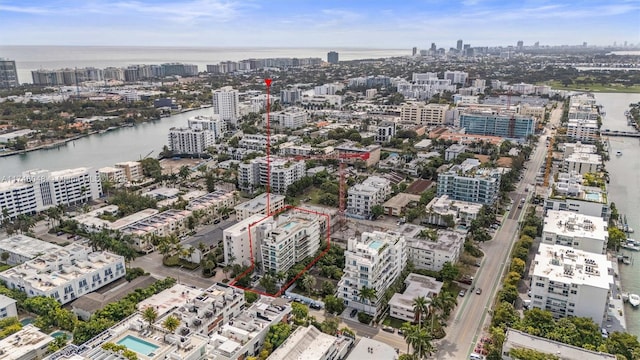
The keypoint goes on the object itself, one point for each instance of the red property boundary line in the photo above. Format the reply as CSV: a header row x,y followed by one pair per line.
x,y
313,262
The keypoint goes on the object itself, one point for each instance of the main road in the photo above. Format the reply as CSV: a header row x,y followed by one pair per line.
x,y
473,311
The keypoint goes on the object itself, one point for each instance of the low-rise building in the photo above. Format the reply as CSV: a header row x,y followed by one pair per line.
x,y
367,348
516,339
570,282
292,118
582,163
132,170
350,148
568,193
258,206
373,261
7,307
246,334
444,211
65,274
22,248
211,203
397,204
470,183
312,344
430,249
583,130
27,344
581,232
362,197
401,305
453,151
112,174
578,148
163,224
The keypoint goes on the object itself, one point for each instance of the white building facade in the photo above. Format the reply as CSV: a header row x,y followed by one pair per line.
x,y
362,197
581,232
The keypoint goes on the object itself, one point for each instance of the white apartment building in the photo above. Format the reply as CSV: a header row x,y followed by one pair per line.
x,y
112,174
581,232
570,282
515,339
423,114
132,170
38,190
7,307
258,206
362,197
210,123
322,101
401,305
162,224
65,274
258,142
453,151
578,148
190,141
582,130
309,343
457,77
245,336
432,253
292,118
568,193
226,104
442,207
241,242
211,203
284,172
291,149
294,237
328,89
469,183
385,132
22,248
582,163
425,89
374,260
27,344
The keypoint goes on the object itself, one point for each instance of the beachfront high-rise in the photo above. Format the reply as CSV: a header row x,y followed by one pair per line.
x,y
332,57
225,104
8,74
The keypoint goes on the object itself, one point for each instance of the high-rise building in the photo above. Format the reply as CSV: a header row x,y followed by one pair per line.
x,y
504,125
459,45
190,141
414,51
8,74
419,113
520,45
332,57
225,104
434,48
284,172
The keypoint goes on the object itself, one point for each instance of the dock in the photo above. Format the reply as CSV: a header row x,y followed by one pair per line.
x,y
615,314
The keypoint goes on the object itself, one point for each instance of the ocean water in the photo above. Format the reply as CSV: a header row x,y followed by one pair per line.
x,y
30,58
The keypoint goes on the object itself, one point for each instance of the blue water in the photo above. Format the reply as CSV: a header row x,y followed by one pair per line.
x,y
375,245
592,196
289,225
59,333
138,345
26,321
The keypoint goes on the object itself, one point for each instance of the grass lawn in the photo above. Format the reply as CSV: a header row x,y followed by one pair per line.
x,y
595,87
393,322
313,193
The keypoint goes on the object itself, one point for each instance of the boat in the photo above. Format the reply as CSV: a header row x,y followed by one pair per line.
x,y
631,245
629,230
634,300
618,153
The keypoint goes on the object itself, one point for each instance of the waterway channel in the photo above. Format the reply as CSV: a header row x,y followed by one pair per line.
x,y
98,150
624,188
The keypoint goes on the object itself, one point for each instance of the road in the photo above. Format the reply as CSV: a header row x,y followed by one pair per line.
x,y
472,314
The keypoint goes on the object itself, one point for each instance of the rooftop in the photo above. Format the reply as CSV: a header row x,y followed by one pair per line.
x,y
259,203
305,343
372,349
18,345
175,296
417,285
26,246
446,239
569,223
566,265
519,339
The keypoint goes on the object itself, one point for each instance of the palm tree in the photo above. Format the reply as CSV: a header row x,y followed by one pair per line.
x,y
420,308
407,329
171,323
308,282
421,343
368,294
150,315
444,302
281,276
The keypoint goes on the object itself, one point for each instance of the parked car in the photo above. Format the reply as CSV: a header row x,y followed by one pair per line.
x,y
400,332
478,291
353,313
462,293
604,332
315,306
388,329
60,233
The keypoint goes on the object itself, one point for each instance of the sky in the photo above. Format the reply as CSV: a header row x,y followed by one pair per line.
x,y
390,24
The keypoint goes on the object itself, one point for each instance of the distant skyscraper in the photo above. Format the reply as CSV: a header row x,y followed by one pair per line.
x,y
8,74
536,44
433,48
332,57
459,45
520,44
414,51
225,104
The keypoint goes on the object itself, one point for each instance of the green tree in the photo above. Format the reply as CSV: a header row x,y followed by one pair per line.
x,y
377,210
300,311
151,168
420,308
530,354
150,315
517,266
509,293
449,271
616,238
504,315
171,323
368,295
330,325
333,304
250,297
277,334
308,282
537,322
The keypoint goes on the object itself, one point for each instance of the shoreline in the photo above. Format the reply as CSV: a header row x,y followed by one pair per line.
x,y
63,142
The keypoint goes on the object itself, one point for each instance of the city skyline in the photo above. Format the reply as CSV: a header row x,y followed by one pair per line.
x,y
373,24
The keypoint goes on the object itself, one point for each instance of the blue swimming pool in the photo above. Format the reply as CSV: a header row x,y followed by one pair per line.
x,y
289,225
376,244
138,345
26,321
592,196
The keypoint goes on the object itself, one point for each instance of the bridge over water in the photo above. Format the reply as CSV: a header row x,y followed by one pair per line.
x,y
633,134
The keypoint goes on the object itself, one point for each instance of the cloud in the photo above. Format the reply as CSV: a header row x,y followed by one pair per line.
x,y
25,9
187,11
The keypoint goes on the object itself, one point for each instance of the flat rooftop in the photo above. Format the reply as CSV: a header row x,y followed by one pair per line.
x,y
26,246
569,223
380,351
18,345
175,296
259,203
306,343
417,285
518,339
567,265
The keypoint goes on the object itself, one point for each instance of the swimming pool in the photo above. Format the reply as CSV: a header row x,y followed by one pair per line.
x,y
376,244
59,333
138,345
289,225
26,321
592,196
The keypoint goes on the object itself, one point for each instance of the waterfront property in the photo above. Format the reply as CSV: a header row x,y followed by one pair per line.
x,y
132,170
65,274
581,232
401,305
470,183
372,261
22,248
309,343
567,193
582,163
38,190
27,344
515,339
570,282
